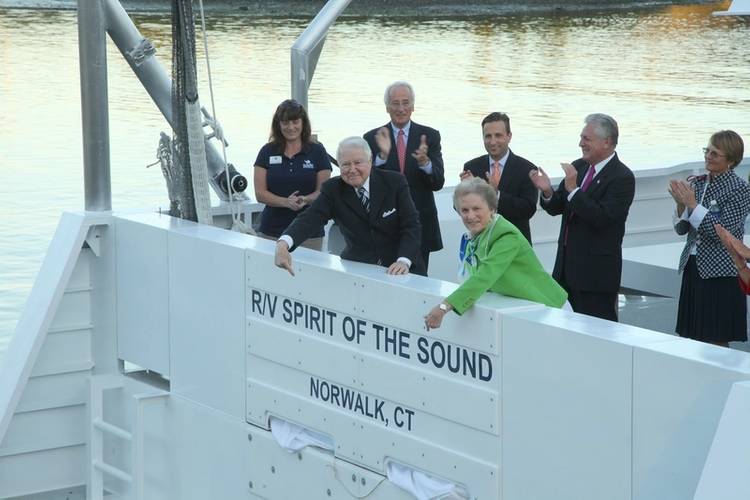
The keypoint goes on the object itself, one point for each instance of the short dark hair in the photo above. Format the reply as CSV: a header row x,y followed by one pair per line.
x,y
286,111
730,143
497,116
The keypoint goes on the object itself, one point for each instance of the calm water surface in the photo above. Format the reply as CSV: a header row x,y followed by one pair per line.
x,y
670,76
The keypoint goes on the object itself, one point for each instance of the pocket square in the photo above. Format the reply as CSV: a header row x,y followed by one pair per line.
x,y
389,212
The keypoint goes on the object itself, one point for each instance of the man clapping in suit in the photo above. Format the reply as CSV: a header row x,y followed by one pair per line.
x,y
373,209
507,172
594,200
413,150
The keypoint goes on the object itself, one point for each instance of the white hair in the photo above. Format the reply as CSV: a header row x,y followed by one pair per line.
x,y
604,125
353,142
394,85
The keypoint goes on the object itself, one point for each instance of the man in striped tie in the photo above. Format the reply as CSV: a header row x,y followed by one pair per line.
x,y
594,199
414,151
373,208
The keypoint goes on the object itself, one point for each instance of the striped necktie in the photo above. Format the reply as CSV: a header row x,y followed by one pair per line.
x,y
363,198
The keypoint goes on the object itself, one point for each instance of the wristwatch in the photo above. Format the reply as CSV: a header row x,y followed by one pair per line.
x,y
443,307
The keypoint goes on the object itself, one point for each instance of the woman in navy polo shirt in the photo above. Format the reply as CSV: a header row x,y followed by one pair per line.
x,y
289,171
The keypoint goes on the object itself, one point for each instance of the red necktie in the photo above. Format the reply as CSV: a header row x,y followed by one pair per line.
x,y
584,186
589,177
401,150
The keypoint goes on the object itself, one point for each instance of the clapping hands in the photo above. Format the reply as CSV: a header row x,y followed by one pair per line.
x,y
683,194
540,180
420,154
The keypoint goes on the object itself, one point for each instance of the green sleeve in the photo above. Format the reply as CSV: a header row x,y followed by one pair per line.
x,y
504,249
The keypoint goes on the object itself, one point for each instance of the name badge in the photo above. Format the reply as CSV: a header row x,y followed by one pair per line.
x,y
274,160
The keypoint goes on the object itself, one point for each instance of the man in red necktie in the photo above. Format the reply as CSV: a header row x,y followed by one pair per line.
x,y
507,172
414,150
594,199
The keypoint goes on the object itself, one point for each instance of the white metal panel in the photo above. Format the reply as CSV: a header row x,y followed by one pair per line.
x,y
74,309
726,474
207,318
323,361
368,437
81,277
63,350
193,453
142,295
45,429
566,425
53,391
103,302
679,391
377,374
42,471
311,474
40,309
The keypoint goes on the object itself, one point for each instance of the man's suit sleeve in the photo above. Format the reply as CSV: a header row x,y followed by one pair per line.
x,y
410,230
311,220
556,204
502,252
435,153
611,208
520,205
477,167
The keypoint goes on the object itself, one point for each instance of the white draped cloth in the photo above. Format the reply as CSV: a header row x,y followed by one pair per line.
x,y
422,486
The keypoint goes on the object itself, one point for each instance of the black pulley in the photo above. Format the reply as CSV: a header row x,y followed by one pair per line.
x,y
236,180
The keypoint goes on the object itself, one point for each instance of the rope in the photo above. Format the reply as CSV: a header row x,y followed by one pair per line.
x,y
236,223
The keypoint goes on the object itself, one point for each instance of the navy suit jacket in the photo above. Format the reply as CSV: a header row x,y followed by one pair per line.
x,y
517,201
595,220
421,185
390,230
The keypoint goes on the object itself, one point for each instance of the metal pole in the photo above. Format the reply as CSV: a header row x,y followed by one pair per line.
x,y
306,49
94,105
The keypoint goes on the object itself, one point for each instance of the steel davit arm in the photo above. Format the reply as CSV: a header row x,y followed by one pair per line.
x,y
139,53
306,49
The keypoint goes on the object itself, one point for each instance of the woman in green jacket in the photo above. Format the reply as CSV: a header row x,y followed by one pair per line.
x,y
495,257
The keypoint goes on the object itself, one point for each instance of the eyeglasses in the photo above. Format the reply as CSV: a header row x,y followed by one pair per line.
x,y
713,154
352,164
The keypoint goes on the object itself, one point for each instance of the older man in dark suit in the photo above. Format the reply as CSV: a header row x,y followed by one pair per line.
x,y
413,150
373,208
506,172
594,200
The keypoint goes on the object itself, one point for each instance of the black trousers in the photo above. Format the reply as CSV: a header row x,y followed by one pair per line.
x,y
425,259
598,304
